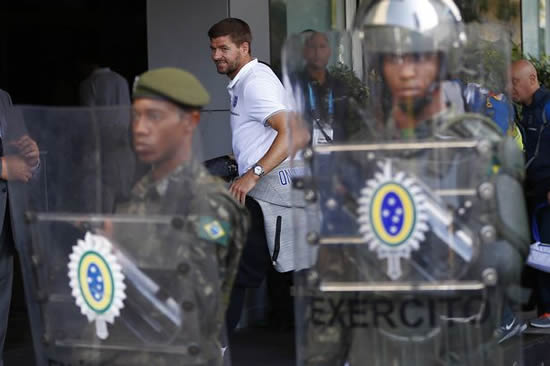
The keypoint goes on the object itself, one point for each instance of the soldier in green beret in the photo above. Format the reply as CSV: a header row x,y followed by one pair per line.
x,y
166,111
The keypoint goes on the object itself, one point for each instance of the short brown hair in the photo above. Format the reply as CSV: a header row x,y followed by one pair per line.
x,y
237,29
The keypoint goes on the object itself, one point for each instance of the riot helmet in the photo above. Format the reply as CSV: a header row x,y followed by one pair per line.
x,y
403,31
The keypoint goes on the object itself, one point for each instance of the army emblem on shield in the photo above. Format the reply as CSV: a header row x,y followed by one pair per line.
x,y
97,281
392,216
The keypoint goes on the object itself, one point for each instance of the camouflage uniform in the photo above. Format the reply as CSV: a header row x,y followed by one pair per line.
x,y
212,228
149,285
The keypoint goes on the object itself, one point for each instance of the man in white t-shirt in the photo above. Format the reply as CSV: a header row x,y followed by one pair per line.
x,y
260,146
258,118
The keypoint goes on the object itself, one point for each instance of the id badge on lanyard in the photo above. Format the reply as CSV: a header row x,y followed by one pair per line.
x,y
321,135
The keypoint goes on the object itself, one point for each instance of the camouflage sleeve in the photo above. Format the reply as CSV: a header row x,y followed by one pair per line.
x,y
235,223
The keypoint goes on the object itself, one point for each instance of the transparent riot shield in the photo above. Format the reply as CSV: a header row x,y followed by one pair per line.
x,y
414,203
119,275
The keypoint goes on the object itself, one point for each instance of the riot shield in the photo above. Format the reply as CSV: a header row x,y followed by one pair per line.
x,y
119,275
415,206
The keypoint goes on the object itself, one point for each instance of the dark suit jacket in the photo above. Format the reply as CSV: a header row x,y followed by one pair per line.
x,y
5,103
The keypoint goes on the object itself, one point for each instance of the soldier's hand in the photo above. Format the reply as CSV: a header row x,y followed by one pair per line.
x,y
240,188
15,167
28,149
108,229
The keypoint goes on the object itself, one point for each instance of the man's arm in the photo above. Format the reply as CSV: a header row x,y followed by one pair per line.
x,y
278,151
22,164
275,155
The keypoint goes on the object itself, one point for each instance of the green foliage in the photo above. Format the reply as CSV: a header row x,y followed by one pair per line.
x,y
476,10
542,64
344,73
486,63
507,12
516,52
359,94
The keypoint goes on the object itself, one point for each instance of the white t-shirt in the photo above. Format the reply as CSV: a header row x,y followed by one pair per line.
x,y
256,94
104,87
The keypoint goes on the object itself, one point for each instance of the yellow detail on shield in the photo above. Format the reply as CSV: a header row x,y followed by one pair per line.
x,y
96,282
408,213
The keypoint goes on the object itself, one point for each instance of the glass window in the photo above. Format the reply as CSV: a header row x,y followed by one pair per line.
x,y
290,16
535,17
544,38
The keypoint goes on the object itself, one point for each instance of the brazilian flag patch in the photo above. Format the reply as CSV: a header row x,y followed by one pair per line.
x,y
214,230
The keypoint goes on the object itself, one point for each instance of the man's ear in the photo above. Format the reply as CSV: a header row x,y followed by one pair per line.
x,y
194,118
245,47
533,78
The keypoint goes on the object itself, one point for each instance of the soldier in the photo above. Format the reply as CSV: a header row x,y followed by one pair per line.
x,y
166,112
150,284
421,270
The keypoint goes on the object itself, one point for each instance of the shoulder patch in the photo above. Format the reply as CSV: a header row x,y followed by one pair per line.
x,y
211,229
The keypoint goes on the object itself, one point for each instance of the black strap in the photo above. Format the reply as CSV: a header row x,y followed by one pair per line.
x,y
277,246
327,137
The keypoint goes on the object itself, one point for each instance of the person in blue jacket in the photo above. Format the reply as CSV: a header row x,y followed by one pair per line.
x,y
535,113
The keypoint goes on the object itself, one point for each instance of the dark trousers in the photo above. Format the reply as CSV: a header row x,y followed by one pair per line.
x,y
539,281
255,267
6,279
281,316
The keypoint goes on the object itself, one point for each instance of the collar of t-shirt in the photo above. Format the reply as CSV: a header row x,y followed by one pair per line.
x,y
242,72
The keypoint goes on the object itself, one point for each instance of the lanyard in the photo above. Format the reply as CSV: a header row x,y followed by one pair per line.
x,y
313,103
313,106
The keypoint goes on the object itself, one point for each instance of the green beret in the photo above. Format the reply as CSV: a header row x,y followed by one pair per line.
x,y
173,84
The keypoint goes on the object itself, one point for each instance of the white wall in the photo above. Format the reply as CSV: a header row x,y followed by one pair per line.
x,y
256,14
